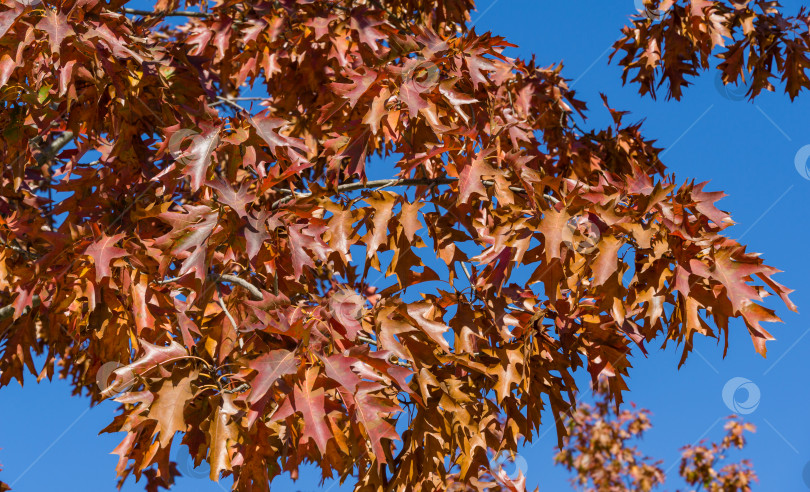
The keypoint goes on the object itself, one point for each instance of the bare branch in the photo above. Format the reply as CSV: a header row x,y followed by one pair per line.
x,y
229,101
242,387
387,183
7,311
47,153
53,148
228,313
174,13
367,340
233,100
373,343
254,291
18,249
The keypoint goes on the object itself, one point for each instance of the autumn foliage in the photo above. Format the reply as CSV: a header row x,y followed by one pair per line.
x,y
209,263
602,453
749,42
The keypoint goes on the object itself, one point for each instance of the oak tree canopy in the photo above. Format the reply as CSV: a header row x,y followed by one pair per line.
x,y
210,262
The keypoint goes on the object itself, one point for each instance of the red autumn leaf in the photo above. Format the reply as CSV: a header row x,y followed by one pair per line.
x,y
552,226
153,356
223,434
360,83
196,159
470,177
256,233
266,128
9,16
309,400
269,368
237,200
168,407
103,252
370,412
55,24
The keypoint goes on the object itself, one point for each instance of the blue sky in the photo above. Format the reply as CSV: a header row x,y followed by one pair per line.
x,y
50,440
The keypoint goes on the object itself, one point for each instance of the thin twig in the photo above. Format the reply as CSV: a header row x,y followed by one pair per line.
x,y
469,279
231,319
238,389
7,311
402,363
254,291
367,340
49,152
373,343
227,313
18,249
229,101
387,183
174,13
235,99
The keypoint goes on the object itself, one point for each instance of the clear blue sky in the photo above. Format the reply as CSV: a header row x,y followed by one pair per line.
x,y
50,440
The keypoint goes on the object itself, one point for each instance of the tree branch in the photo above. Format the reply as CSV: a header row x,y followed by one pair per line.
x,y
50,151
222,305
18,249
233,100
7,311
46,154
242,387
367,340
254,291
387,183
173,13
229,101
373,343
